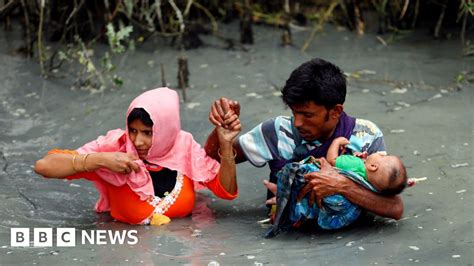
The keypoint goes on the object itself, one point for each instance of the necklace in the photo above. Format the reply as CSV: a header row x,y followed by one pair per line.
x,y
162,205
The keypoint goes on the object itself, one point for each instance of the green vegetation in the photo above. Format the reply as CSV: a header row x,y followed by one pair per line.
x,y
76,25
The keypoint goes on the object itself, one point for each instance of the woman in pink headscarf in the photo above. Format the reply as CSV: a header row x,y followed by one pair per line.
x,y
147,173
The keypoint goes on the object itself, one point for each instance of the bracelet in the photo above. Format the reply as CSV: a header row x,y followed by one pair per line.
x,y
227,157
74,162
84,158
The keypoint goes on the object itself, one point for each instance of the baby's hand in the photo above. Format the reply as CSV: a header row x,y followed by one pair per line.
x,y
362,155
342,141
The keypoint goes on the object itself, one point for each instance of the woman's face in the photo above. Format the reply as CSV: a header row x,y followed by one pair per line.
x,y
141,136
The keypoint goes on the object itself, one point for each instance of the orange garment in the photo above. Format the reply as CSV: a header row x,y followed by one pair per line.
x,y
126,206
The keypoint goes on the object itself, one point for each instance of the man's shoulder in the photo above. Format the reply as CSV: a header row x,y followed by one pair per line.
x,y
282,119
367,136
366,127
278,123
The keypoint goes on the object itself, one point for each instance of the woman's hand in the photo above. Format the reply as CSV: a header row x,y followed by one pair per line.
x,y
120,162
230,129
220,109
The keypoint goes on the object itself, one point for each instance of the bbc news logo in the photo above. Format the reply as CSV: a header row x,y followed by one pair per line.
x,y
66,237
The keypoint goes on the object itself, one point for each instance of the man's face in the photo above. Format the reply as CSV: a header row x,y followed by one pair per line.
x,y
314,122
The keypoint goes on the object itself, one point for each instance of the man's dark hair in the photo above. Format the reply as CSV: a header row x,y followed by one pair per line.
x,y
140,114
316,80
397,180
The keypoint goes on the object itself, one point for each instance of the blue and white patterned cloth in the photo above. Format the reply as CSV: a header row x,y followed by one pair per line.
x,y
336,211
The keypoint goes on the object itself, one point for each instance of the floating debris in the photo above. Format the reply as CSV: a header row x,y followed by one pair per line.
x,y
74,185
459,165
404,104
277,93
419,227
250,257
414,247
4,246
213,263
381,40
456,256
339,237
258,263
350,243
204,66
414,180
461,191
434,97
151,63
465,144
366,72
19,111
191,105
443,91
253,94
429,209
365,90
396,131
243,86
399,91
264,221
361,248
415,152
30,95
196,233
222,254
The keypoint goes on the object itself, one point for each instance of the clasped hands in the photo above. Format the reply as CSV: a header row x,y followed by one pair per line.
x,y
224,115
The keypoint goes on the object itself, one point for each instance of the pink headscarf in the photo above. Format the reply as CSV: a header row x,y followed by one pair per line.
x,y
171,148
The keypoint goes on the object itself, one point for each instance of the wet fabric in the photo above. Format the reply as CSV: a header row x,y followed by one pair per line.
x,y
126,206
352,163
336,211
171,148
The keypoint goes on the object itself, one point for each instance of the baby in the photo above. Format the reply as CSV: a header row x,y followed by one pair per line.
x,y
385,173
382,174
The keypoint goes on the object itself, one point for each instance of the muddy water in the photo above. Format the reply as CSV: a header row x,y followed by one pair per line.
x,y
407,88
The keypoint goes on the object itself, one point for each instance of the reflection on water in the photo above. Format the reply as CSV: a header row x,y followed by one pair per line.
x,y
37,115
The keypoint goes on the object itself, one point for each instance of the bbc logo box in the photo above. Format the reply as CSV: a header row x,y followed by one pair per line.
x,y
42,237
